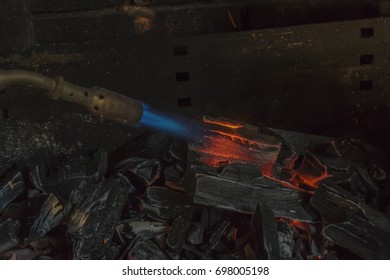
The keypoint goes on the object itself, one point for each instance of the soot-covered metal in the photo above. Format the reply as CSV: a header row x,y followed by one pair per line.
x,y
201,175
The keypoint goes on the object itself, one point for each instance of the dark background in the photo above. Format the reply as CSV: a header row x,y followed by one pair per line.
x,y
314,66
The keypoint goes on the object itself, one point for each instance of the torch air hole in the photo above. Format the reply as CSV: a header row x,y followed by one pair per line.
x,y
71,94
101,97
86,93
96,108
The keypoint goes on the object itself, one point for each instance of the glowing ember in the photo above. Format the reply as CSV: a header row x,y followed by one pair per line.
x,y
219,148
223,122
312,170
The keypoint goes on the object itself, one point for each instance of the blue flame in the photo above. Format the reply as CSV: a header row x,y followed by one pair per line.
x,y
169,124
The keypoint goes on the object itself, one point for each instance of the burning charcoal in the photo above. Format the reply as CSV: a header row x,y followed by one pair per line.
x,y
286,240
8,235
226,141
216,235
241,172
196,234
148,229
11,186
145,249
37,216
360,237
147,170
312,170
93,220
265,234
225,193
164,204
64,179
177,235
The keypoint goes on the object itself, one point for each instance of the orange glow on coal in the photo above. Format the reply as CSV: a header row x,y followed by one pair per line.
x,y
299,224
223,150
223,123
313,181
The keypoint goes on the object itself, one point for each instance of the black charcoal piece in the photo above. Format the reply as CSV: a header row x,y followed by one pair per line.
x,y
173,178
225,193
241,172
144,144
178,151
336,205
8,234
196,234
93,217
211,217
301,247
193,253
147,170
265,233
20,254
11,186
148,229
68,174
145,249
164,204
216,235
352,149
177,235
37,216
360,237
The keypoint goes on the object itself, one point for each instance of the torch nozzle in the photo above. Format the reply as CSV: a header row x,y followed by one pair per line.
x,y
98,101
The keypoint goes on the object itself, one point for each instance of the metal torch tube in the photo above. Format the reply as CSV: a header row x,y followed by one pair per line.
x,y
99,101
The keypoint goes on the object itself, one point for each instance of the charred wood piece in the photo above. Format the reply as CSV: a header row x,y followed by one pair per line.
x,y
145,249
11,186
196,234
225,141
361,237
148,229
177,235
216,235
312,170
37,216
93,217
285,239
63,179
24,254
9,230
225,193
164,204
145,171
265,233
337,205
